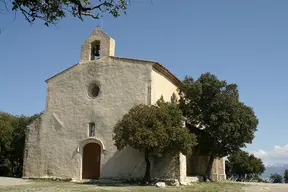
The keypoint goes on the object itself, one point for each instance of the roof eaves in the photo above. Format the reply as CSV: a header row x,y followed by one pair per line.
x,y
61,72
133,59
159,67
155,65
167,73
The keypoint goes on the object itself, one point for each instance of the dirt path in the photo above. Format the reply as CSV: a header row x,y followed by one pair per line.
x,y
265,187
7,181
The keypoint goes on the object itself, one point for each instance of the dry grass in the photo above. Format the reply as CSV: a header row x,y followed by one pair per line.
x,y
47,186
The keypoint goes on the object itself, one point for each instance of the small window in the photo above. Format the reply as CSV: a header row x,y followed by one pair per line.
x,y
93,90
91,129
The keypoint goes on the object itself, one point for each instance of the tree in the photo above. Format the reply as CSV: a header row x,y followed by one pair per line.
x,y
51,11
6,131
286,176
12,140
255,168
276,178
18,143
242,166
152,130
222,123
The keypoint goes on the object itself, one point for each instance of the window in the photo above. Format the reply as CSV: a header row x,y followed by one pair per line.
x,y
91,129
93,90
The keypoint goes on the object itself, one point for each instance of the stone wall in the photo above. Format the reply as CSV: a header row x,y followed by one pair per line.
x,y
55,141
33,164
196,165
218,170
107,45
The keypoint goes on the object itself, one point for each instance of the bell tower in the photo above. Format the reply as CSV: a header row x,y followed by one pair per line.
x,y
97,45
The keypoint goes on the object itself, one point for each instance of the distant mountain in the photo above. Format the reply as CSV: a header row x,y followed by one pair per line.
x,y
276,168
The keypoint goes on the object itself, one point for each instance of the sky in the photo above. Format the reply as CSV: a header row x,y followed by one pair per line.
x,y
241,41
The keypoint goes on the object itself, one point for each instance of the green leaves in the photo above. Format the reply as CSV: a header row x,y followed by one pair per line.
x,y
286,176
276,178
154,128
214,105
242,166
12,139
50,11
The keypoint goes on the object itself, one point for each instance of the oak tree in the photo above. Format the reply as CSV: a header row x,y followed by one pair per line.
x,y
154,129
222,122
276,178
243,166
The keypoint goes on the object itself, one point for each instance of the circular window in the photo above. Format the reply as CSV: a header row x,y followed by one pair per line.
x,y
93,90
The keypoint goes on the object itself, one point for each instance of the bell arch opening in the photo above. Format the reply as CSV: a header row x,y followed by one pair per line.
x,y
95,50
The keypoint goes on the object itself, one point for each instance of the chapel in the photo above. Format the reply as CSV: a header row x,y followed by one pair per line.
x,y
72,139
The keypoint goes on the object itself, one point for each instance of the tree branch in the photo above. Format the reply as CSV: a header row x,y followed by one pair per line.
x,y
53,10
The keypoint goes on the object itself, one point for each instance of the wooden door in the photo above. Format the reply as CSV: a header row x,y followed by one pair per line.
x,y
91,161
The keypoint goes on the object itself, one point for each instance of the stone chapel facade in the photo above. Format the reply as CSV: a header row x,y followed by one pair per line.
x,y
72,139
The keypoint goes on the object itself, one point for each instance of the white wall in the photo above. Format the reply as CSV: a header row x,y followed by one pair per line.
x,y
53,142
161,86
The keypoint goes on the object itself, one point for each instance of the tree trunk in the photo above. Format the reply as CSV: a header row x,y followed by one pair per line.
x,y
209,168
147,177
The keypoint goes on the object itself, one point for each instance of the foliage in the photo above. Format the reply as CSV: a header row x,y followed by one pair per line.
x,y
12,139
276,178
286,176
222,123
259,179
6,131
242,166
51,11
153,130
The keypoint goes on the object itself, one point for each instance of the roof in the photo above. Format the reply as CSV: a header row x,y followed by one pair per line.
x,y
159,67
167,73
60,72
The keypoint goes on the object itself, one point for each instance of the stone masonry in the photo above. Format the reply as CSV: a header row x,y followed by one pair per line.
x,y
55,142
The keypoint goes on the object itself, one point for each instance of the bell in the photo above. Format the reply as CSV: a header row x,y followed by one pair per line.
x,y
96,50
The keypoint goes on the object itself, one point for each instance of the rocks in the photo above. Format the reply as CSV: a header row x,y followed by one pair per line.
x,y
160,184
190,180
168,182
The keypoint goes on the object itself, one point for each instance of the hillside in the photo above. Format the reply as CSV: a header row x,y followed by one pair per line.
x,y
276,168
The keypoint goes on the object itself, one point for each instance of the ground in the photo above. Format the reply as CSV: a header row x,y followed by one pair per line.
x,y
266,187
17,185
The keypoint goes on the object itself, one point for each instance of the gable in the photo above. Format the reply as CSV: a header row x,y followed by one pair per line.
x,y
157,66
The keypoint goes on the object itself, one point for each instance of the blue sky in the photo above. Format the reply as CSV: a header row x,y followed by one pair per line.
x,y
244,42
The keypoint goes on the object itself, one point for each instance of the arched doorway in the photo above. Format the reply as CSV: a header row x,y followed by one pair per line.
x,y
91,161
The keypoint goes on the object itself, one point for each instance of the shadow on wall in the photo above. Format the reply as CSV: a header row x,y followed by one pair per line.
x,y
125,164
166,167
196,165
129,163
